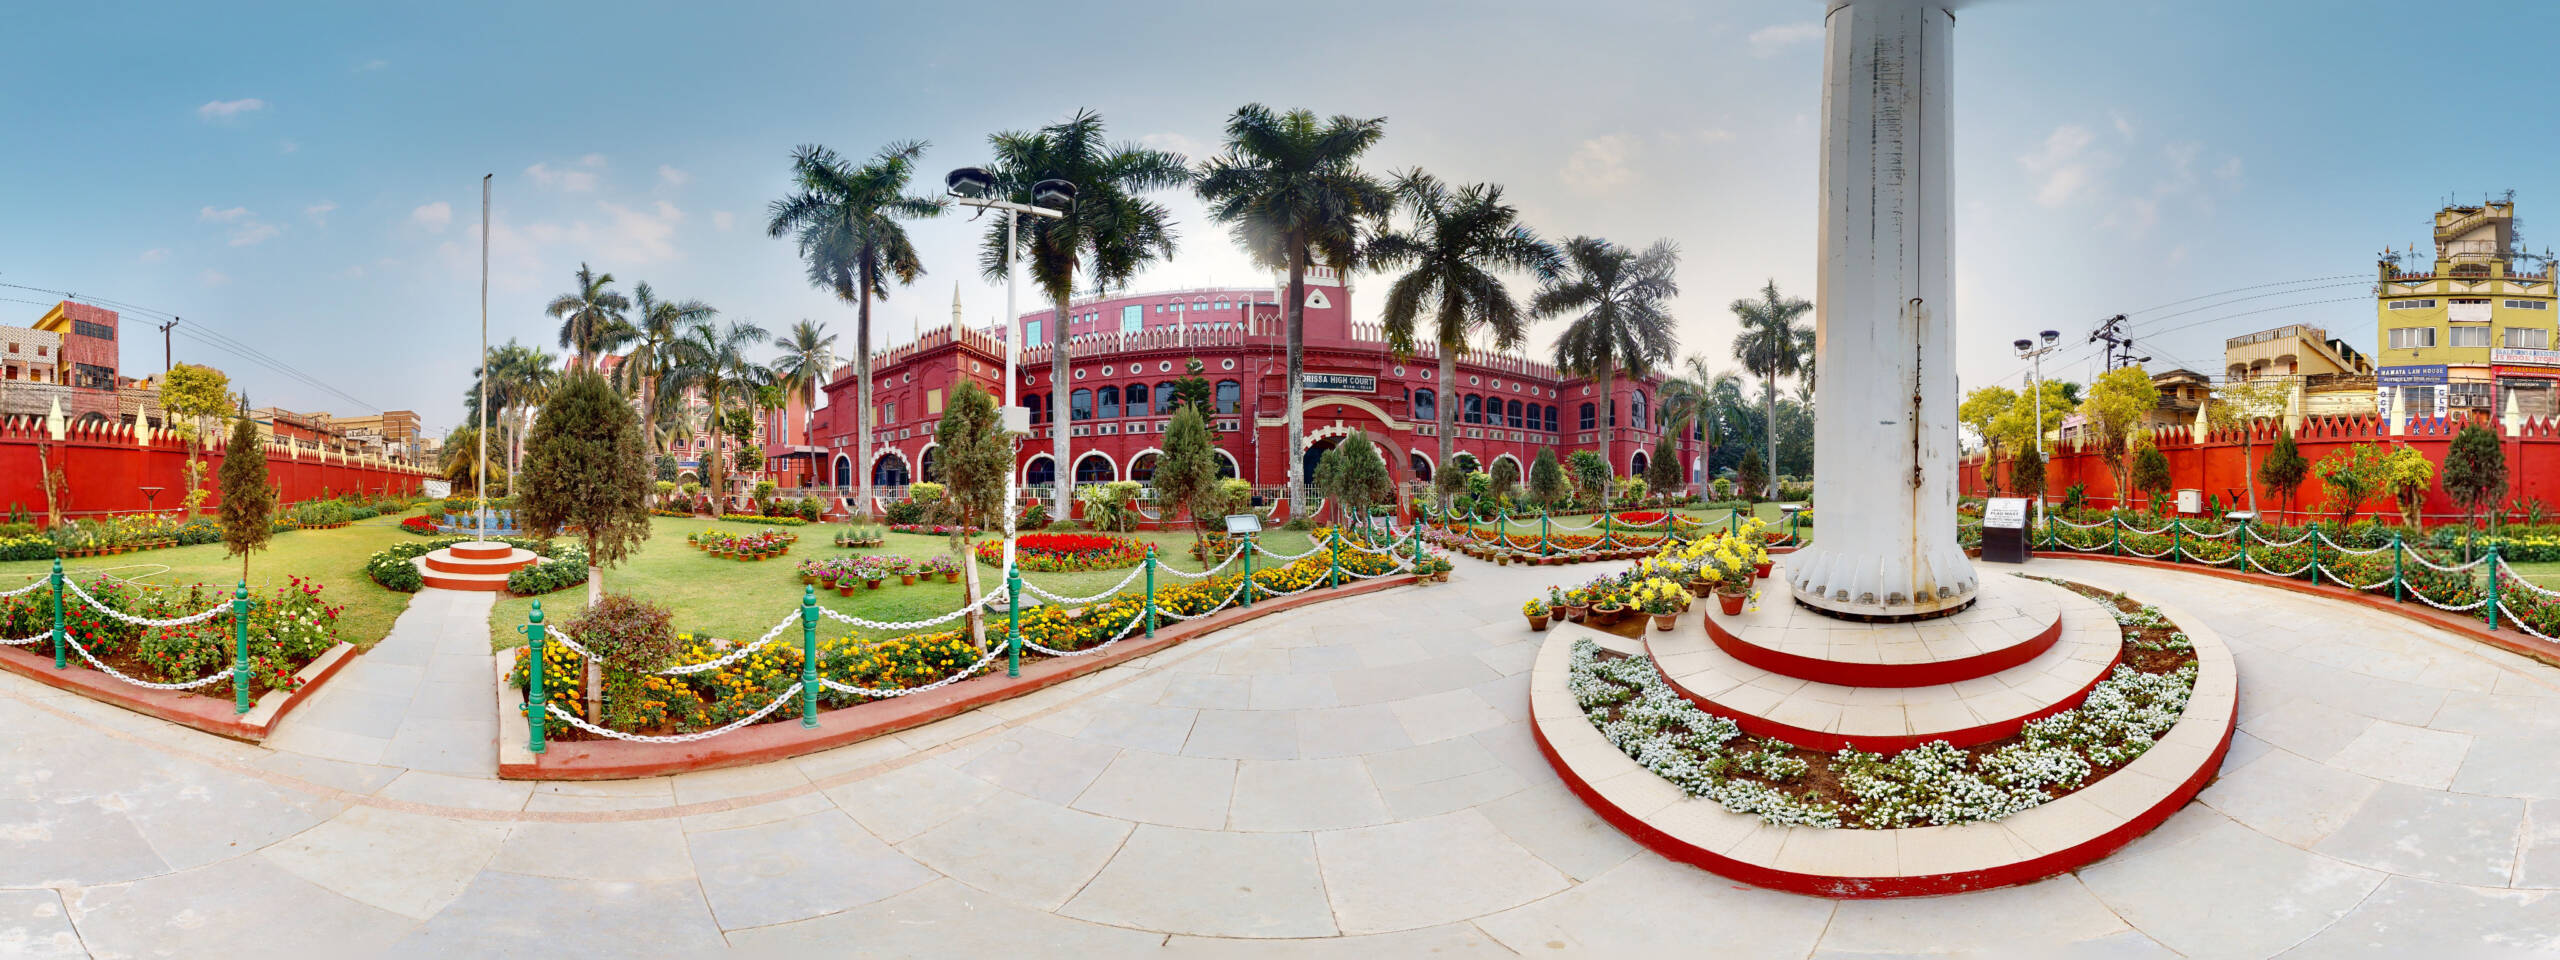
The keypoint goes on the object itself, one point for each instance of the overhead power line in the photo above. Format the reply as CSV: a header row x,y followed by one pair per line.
x,y
196,330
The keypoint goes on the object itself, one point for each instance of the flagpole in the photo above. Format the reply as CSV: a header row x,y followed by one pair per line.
x,y
480,483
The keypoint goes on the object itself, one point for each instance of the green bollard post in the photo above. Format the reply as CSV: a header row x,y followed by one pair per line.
x,y
2117,522
1151,589
2177,541
2395,567
537,713
1013,628
1544,548
808,657
2315,553
1608,531
2243,537
1733,522
1333,570
240,649
1248,570
59,633
2492,605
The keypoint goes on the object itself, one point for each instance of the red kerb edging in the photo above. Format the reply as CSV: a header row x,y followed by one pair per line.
x,y
1826,741
209,714
620,759
2517,643
1863,888
1928,673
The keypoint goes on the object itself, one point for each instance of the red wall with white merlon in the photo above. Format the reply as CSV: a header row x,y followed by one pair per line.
x,y
105,469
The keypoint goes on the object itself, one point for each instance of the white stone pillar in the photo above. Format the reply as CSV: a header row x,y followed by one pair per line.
x,y
1885,446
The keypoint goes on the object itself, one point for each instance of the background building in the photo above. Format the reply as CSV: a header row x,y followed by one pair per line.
x,y
2471,333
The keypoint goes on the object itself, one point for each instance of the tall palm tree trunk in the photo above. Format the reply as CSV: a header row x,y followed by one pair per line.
x,y
1061,425
1769,404
1297,382
862,393
649,416
1608,430
1447,414
716,473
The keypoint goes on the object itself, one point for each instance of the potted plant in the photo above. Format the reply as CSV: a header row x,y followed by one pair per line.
x,y
1606,608
949,568
1577,605
1661,601
1731,592
1537,611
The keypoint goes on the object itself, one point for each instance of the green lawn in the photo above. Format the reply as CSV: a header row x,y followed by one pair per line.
x,y
2545,574
334,557
740,601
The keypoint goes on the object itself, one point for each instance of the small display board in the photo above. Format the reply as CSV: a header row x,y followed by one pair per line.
x,y
2190,501
1244,523
2004,530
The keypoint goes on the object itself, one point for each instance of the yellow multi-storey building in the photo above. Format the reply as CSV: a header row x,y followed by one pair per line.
x,y
2474,333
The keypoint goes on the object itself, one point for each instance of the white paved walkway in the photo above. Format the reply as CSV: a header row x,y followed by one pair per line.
x,y
1353,779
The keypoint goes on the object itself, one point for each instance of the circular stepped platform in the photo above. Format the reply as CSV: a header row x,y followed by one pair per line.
x,y
2067,657
2064,834
474,565
2010,622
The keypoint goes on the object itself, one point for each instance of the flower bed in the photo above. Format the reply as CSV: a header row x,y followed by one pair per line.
x,y
936,529
1704,755
287,629
391,566
421,525
1067,552
757,546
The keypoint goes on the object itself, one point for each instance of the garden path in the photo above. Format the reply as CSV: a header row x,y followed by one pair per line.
x,y
1350,779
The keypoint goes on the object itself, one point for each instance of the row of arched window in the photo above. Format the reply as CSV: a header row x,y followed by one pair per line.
x,y
1496,411
1113,401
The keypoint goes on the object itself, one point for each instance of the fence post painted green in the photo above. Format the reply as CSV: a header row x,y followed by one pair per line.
x,y
1333,557
1544,548
536,704
2117,521
1013,625
2395,566
2243,537
2315,553
2493,586
1607,531
59,633
1151,589
808,656
1733,522
2177,540
1248,570
1795,528
240,648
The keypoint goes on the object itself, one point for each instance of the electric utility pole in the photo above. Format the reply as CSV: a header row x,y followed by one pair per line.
x,y
166,364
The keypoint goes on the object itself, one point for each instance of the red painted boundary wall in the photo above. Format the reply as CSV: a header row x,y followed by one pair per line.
x,y
106,466
2213,464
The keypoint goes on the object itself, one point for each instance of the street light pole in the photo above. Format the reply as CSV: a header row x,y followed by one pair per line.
x,y
970,187
2034,354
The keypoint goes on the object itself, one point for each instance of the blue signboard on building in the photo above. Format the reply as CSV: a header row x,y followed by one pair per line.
x,y
2413,375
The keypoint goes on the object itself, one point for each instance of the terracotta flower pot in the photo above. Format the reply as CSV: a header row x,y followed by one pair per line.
x,y
1577,614
1663,621
951,576
872,584
844,588
1730,603
1537,624
1700,588
1607,615
1761,572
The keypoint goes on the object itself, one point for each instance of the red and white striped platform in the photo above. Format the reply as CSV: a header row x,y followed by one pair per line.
x,y
474,565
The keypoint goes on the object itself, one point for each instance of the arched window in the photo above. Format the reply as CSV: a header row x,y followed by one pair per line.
x,y
1472,408
1164,398
1636,412
1421,467
1587,413
1095,468
1080,404
889,471
1613,411
1425,406
1031,403
1551,418
844,470
1226,465
1636,464
1511,415
1230,396
1041,472
1143,469
1109,408
930,470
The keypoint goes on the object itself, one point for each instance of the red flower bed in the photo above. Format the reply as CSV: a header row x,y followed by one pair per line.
x,y
1066,552
419,525
1641,518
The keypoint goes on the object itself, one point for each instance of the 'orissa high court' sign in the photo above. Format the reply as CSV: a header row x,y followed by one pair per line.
x,y
1343,382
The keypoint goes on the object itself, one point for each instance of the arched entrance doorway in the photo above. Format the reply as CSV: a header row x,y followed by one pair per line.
x,y
1315,454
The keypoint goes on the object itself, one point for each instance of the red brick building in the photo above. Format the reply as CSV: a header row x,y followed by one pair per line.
x,y
1128,349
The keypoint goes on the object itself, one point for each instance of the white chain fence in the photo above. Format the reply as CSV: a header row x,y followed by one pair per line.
x,y
573,720
1232,595
1132,627
988,600
207,680
1107,592
993,651
208,614
29,588
1204,574
2520,624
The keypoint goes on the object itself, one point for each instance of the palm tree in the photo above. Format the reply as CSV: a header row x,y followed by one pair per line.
x,y
1623,323
1689,401
591,316
1108,233
1291,191
712,362
520,377
1773,346
845,220
808,354
652,337
1458,244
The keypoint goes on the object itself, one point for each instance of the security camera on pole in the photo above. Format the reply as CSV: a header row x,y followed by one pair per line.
x,y
970,187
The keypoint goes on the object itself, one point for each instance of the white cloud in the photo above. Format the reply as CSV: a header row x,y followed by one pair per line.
x,y
673,177
2229,170
223,110
1599,164
155,255
1189,148
568,179
434,216
2123,123
636,236
1712,135
319,212
213,278
722,220
1776,39
252,233
211,215
2064,167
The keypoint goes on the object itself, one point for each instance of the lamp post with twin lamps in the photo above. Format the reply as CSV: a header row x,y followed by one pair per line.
x,y
2028,350
973,187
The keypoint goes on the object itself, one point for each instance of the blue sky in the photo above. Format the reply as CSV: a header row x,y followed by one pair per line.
x,y
305,178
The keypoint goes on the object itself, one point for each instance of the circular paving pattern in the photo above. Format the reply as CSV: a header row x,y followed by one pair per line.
x,y
1355,779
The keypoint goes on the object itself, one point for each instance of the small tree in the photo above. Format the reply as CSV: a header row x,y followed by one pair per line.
x,y
2238,407
1187,474
586,466
2475,470
976,454
1590,475
1546,479
2026,472
2406,476
2350,477
1193,389
667,467
1505,477
2282,472
1352,476
1663,473
248,495
194,393
1752,477
2115,408
1982,409
2151,472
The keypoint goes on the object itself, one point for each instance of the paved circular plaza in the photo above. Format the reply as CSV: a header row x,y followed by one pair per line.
x,y
1352,779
